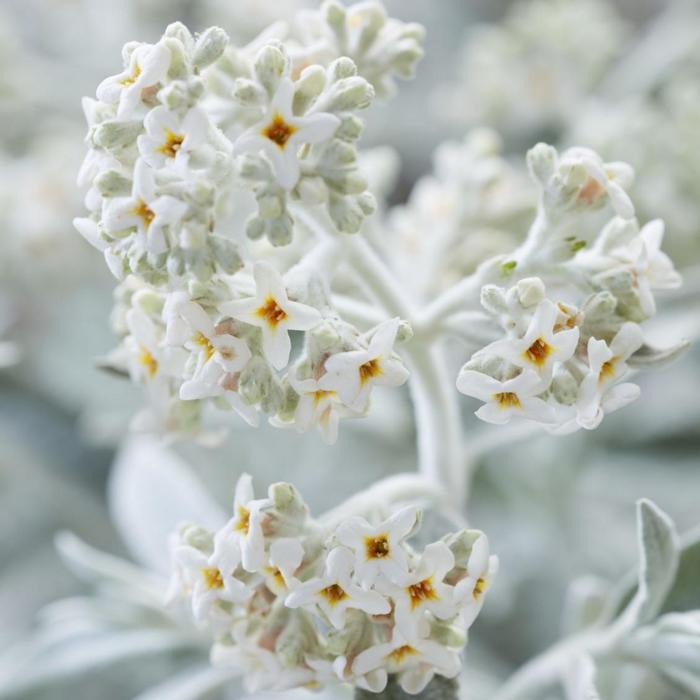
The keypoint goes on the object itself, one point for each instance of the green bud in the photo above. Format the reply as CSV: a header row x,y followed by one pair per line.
x,y
112,184
210,46
270,64
115,134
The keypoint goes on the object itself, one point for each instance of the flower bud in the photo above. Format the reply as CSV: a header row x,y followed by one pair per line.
x,y
210,45
531,291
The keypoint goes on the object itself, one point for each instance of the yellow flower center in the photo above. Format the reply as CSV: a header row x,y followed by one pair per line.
x,y
479,588
271,312
242,523
172,144
147,215
607,371
204,342
422,591
507,399
321,394
538,352
212,578
377,547
277,577
278,131
149,362
333,594
131,79
400,654
370,370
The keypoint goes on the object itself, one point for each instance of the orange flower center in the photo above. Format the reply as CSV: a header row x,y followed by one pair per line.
x,y
172,144
607,371
369,370
147,215
507,399
401,653
271,312
333,594
538,352
377,547
278,131
421,591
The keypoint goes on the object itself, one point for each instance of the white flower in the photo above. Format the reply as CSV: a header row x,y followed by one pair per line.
x,y
540,348
260,667
353,374
216,352
144,210
318,407
148,66
280,134
651,267
425,590
274,313
599,392
286,555
415,662
379,550
512,398
242,539
171,139
209,583
147,359
469,592
334,592
328,672
603,178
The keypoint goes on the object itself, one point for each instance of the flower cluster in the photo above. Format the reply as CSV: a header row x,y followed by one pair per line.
x,y
291,602
195,137
572,328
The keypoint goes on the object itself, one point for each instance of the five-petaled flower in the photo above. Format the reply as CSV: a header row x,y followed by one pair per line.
x,y
274,313
280,134
209,584
415,661
170,139
352,374
424,591
144,210
147,357
470,590
334,592
147,66
600,392
241,539
318,407
379,549
505,400
651,268
540,348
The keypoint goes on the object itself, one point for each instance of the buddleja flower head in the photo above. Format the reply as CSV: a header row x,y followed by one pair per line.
x,y
291,603
184,141
568,347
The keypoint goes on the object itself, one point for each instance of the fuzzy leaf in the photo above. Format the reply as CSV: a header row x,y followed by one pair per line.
x,y
658,561
647,356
